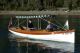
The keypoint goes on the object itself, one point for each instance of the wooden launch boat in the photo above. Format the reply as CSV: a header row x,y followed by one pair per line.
x,y
61,36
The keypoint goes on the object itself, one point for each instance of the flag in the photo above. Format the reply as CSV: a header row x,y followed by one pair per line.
x,y
66,25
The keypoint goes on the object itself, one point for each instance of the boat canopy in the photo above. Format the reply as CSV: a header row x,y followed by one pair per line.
x,y
66,26
34,16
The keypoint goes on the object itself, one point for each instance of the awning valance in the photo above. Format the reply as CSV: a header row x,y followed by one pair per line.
x,y
34,16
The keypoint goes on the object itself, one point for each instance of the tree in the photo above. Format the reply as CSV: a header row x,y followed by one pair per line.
x,y
78,3
70,5
59,3
54,2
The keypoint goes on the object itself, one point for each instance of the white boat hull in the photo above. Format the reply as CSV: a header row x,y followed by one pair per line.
x,y
63,37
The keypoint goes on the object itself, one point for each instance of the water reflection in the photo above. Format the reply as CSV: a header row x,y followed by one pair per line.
x,y
44,47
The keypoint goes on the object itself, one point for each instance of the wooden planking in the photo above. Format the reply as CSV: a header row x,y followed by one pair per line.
x,y
40,32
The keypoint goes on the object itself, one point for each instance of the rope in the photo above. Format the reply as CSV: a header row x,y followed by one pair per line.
x,y
22,22
15,23
53,23
19,24
59,23
47,21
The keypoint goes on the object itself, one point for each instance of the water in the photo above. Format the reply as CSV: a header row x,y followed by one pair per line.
x,y
52,45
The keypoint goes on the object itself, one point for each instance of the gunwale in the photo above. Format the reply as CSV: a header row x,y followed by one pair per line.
x,y
39,32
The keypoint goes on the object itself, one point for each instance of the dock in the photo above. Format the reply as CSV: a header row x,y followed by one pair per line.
x,y
73,12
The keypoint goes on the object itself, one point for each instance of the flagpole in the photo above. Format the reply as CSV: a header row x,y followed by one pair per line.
x,y
10,22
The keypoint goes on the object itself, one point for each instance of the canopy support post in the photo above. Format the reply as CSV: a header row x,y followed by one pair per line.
x,y
38,23
27,22
18,23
